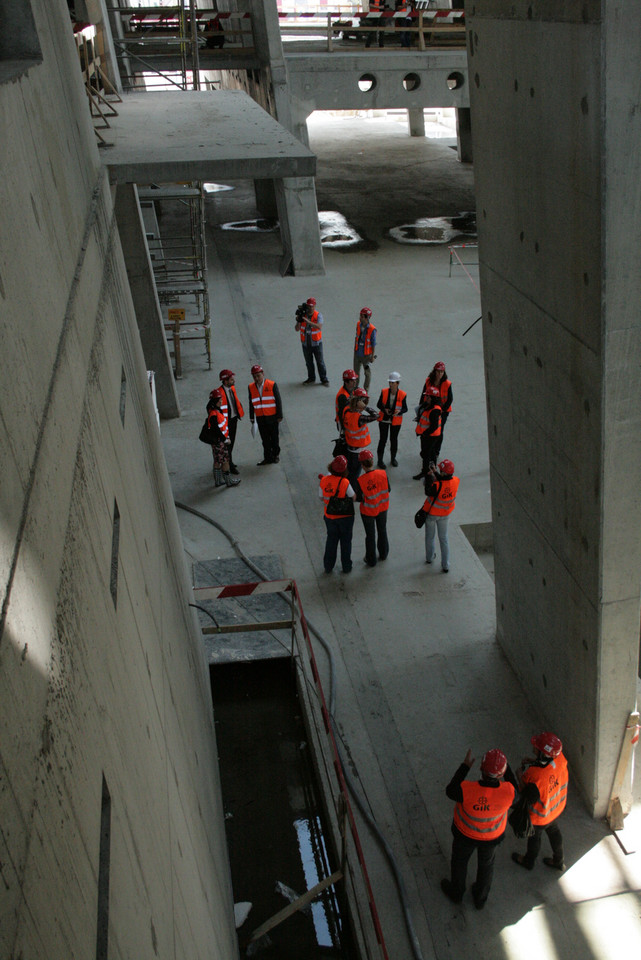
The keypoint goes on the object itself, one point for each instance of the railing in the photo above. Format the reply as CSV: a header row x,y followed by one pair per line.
x,y
321,729
426,28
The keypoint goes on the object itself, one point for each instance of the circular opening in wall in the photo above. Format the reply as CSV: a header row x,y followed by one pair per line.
x,y
366,83
455,81
411,81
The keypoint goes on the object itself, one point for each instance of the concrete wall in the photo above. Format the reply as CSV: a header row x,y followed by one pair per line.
x,y
556,131
101,673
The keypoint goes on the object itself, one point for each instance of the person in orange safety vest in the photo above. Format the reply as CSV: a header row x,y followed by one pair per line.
x,y
543,780
480,819
309,323
372,491
355,418
233,410
428,430
392,404
220,444
265,409
441,487
437,377
365,345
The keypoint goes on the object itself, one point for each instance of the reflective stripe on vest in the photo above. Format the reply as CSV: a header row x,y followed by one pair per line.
x,y
445,500
355,435
224,406
483,813
328,482
375,492
368,350
397,416
264,406
552,783
424,423
317,335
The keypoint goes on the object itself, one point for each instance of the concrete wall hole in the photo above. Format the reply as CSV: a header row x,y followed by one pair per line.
x,y
367,83
411,81
455,81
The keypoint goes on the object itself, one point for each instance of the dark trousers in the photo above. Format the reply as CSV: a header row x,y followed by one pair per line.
x,y
375,526
556,842
353,467
339,530
232,424
315,351
437,446
430,447
393,430
268,429
462,849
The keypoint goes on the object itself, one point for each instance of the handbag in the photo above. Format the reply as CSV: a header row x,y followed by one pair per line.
x,y
340,506
206,434
419,518
519,820
340,447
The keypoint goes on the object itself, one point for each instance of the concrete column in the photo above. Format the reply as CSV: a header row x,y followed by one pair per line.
x,y
464,134
557,157
416,121
299,230
146,304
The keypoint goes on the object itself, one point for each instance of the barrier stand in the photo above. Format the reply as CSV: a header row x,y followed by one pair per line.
x,y
462,263
616,814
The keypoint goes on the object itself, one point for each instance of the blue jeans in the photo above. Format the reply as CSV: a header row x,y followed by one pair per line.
x,y
311,352
339,530
432,524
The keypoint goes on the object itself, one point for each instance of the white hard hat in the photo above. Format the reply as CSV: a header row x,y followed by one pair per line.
x,y
394,376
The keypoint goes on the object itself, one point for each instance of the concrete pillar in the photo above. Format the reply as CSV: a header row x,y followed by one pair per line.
x,y
416,121
557,159
299,230
464,134
145,298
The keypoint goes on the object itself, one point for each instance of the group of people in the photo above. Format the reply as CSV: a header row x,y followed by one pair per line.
x,y
483,806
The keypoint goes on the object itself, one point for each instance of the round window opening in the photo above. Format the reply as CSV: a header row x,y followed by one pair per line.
x,y
366,83
455,81
411,81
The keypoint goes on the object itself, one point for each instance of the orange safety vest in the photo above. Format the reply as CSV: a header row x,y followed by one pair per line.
x,y
264,406
356,435
552,783
317,335
424,422
341,393
327,486
483,813
397,417
443,388
368,350
221,420
375,488
239,406
445,500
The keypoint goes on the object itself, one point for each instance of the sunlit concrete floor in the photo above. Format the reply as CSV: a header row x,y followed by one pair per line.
x,y
420,677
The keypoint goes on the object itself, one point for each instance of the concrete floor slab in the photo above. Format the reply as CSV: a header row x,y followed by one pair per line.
x,y
420,677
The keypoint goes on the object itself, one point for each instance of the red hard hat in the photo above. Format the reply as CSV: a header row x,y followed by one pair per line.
x,y
217,394
494,763
366,312
226,374
446,467
548,744
256,369
433,392
350,374
359,392
311,301
439,365
366,456
338,464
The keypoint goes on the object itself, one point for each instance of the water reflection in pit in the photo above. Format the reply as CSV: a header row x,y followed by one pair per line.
x,y
433,230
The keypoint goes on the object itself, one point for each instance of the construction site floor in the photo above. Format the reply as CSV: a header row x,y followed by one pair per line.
x,y
420,676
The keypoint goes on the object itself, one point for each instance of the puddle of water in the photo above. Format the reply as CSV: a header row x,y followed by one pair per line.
x,y
432,230
335,231
251,226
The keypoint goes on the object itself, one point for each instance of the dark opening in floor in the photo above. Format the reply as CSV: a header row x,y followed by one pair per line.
x,y
278,844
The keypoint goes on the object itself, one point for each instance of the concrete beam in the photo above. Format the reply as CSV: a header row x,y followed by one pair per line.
x,y
143,291
200,135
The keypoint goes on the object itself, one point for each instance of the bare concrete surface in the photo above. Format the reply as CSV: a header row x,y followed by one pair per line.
x,y
420,677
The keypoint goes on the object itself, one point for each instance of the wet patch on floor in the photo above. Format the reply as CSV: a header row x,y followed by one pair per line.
x,y
434,230
336,232
262,225
216,187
